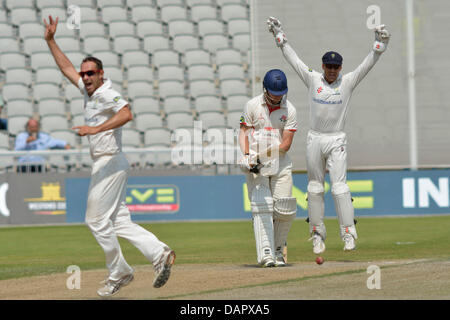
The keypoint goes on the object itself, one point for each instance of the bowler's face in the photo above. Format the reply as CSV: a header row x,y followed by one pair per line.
x,y
94,81
331,72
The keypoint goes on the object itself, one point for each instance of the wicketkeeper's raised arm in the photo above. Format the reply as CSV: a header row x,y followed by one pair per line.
x,y
291,56
61,59
382,37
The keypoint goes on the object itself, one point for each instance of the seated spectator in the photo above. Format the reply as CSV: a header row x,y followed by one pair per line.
x,y
33,139
3,121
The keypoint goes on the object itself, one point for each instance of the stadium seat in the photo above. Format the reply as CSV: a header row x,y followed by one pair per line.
x,y
12,91
121,28
13,4
176,104
191,3
72,91
187,135
233,119
67,135
131,137
139,88
233,86
195,56
59,12
207,26
41,4
3,17
233,10
17,123
170,88
19,107
52,75
112,12
236,102
45,90
51,106
76,105
78,120
68,44
123,43
4,141
80,3
96,43
200,71
33,44
214,41
148,120
155,42
211,119
7,30
202,87
132,58
224,2
92,29
19,75
140,13
170,72
12,60
42,59
238,25
149,27
172,12
179,119
205,103
154,136
158,159
144,104
164,56
180,26
104,3
11,44
219,136
230,71
140,72
89,13
114,73
108,58
203,11
22,14
162,3
184,42
241,41
31,29
50,122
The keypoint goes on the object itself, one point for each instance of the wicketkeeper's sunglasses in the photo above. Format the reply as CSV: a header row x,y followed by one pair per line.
x,y
332,66
89,73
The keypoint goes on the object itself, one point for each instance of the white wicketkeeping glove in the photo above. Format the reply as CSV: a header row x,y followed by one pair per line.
x,y
275,28
382,37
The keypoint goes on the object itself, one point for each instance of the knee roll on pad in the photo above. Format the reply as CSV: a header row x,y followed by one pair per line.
x,y
285,210
261,200
315,187
340,188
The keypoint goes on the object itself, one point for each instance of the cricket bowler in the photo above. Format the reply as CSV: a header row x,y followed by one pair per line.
x,y
267,127
326,147
107,216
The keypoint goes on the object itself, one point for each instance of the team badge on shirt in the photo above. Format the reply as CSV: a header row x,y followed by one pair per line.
x,y
283,118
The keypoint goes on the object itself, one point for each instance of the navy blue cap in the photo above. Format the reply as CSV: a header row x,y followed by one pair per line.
x,y
332,57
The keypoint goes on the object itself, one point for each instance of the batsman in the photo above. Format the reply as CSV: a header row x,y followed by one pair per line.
x,y
326,147
267,128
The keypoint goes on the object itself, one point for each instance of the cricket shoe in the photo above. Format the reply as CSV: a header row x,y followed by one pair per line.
x,y
318,244
162,268
349,242
267,262
279,259
112,287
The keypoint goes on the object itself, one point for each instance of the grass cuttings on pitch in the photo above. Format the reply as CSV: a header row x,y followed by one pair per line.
x,y
27,251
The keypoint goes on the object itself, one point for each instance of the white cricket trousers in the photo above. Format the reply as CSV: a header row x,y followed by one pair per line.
x,y
108,217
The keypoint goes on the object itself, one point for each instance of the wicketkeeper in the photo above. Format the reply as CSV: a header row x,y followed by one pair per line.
x,y
267,128
326,147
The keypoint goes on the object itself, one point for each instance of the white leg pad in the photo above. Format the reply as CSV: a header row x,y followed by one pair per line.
x,y
262,211
316,208
344,206
285,210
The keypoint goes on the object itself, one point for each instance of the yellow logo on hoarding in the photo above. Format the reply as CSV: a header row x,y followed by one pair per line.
x,y
50,203
357,186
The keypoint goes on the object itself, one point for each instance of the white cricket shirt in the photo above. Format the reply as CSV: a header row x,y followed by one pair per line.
x,y
329,102
104,103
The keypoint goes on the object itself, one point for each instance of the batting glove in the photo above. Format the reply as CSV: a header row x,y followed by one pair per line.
x,y
382,37
275,28
244,164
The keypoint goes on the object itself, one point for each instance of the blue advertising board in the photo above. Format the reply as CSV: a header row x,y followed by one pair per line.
x,y
183,198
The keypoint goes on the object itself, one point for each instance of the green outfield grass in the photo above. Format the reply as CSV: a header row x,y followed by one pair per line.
x,y
28,251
